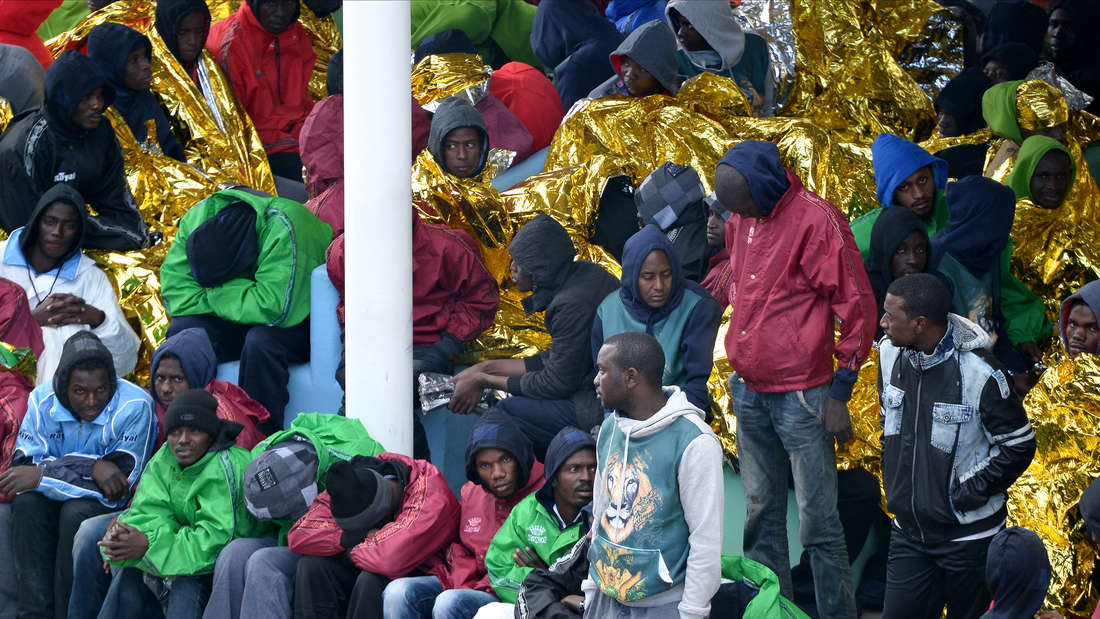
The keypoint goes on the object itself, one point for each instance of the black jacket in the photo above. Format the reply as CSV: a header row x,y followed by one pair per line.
x,y
955,436
569,292
542,590
42,147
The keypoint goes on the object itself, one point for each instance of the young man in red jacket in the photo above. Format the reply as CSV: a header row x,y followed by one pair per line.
x,y
380,518
795,269
268,57
502,471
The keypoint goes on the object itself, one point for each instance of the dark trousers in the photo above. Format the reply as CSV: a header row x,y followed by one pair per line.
x,y
42,548
265,353
921,578
287,165
333,587
540,420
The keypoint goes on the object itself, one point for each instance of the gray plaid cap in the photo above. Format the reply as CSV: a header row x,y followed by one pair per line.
x,y
714,204
665,193
281,482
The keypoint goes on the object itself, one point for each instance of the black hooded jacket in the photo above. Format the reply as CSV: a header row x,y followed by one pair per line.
x,y
43,147
496,430
572,36
168,17
890,229
110,45
570,293
58,193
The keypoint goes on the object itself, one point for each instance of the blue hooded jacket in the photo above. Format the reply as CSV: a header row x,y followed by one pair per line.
x,y
572,36
759,163
496,430
627,15
110,45
196,354
1017,570
686,325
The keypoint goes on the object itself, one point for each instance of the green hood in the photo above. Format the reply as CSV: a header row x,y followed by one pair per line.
x,y
1031,151
999,110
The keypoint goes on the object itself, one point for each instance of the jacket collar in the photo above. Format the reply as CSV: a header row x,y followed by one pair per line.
x,y
14,256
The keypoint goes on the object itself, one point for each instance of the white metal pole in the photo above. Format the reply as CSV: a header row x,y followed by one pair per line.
x,y
377,219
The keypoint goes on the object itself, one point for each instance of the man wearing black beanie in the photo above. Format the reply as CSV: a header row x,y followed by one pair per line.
x,y
379,519
188,507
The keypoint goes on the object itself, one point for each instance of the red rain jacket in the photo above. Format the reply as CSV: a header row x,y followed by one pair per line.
x,y
233,405
269,72
791,273
463,565
19,22
322,141
18,328
416,537
532,98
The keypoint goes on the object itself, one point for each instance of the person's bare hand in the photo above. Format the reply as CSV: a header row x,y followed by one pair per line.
x,y
127,543
20,479
110,480
55,310
1031,351
527,557
573,602
838,424
1048,614
468,389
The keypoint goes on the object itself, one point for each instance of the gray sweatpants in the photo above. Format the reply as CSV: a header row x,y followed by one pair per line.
x,y
603,607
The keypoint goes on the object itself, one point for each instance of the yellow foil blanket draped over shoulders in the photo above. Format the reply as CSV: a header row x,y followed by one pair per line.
x,y
1064,409
323,33
221,146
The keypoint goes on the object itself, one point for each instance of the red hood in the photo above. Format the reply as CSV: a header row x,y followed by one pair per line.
x,y
25,16
322,144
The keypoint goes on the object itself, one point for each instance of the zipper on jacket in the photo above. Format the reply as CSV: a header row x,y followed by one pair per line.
x,y
913,464
278,72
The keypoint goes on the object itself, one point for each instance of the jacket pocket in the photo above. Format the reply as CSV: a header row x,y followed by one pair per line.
x,y
892,401
946,421
626,573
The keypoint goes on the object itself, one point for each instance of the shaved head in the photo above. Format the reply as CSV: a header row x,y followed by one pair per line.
x,y
733,192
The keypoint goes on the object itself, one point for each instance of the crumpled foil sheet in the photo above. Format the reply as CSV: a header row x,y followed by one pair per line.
x,y
5,114
1076,100
1055,251
846,78
437,77
724,423
323,33
1040,105
936,144
771,19
25,363
936,54
1064,409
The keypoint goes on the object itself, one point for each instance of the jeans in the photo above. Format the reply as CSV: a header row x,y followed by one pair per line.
x,y
90,580
421,597
265,353
772,427
9,603
334,587
42,540
135,595
253,577
921,578
603,607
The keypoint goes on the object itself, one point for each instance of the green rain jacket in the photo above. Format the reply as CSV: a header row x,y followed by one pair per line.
x,y
767,603
529,524
190,514
292,242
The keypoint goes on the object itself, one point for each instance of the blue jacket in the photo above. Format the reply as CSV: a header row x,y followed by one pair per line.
x,y
894,159
686,325
67,449
627,15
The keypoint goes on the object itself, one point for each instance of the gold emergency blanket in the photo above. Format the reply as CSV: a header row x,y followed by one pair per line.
x,y
1064,409
437,77
5,114
846,79
323,33
25,364
1038,106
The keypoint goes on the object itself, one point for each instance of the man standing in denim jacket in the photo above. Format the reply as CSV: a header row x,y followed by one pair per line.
x,y
955,437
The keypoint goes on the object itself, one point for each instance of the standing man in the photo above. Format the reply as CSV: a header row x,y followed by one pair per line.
x,y
657,501
955,437
795,269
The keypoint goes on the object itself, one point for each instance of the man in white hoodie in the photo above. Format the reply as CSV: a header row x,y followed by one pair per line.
x,y
657,501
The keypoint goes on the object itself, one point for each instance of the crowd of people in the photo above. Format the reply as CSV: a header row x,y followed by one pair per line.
x,y
600,345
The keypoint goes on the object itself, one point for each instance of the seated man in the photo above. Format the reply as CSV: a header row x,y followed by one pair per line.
x,y
184,25
186,361
502,471
549,522
20,337
1017,110
187,508
126,56
67,291
322,149
380,518
645,64
254,576
268,57
711,40
1080,329
717,280
655,298
67,141
1017,572
673,199
906,176
969,253
1044,172
658,494
458,140
959,113
239,269
550,390
81,448
22,79
573,37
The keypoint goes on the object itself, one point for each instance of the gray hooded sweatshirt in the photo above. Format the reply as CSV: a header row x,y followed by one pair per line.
x,y
455,113
714,21
652,45
22,79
